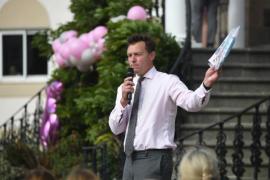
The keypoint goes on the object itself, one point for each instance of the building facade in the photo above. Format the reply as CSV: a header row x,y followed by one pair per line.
x,y
22,71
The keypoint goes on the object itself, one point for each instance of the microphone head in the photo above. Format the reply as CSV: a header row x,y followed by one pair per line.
x,y
130,72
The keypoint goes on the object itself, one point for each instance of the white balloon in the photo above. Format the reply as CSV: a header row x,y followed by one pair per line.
x,y
87,57
62,38
73,60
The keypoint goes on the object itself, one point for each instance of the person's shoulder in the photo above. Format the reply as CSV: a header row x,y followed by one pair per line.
x,y
167,76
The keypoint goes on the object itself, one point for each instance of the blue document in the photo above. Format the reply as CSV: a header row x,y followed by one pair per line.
x,y
217,59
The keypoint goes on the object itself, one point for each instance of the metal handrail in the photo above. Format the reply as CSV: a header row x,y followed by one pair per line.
x,y
24,127
25,105
256,147
223,121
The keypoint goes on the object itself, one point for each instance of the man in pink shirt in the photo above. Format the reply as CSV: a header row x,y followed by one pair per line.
x,y
149,130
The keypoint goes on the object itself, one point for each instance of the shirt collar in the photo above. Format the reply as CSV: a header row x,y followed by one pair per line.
x,y
150,73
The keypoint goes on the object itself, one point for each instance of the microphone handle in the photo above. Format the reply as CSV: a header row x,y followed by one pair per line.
x,y
130,73
129,96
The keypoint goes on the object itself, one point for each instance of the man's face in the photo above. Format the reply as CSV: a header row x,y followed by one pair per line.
x,y
139,58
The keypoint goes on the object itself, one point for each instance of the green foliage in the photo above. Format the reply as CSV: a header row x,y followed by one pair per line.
x,y
41,43
17,156
8,171
64,155
21,155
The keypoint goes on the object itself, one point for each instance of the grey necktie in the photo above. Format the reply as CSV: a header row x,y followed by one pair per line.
x,y
133,119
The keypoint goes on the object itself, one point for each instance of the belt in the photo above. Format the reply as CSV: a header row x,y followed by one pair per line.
x,y
144,153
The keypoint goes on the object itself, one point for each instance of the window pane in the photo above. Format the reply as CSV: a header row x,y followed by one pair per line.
x,y
36,65
12,55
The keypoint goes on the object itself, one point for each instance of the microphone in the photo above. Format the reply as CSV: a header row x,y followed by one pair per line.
x,y
130,73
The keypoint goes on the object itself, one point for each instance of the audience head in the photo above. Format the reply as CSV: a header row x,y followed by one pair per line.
x,y
40,173
80,173
199,163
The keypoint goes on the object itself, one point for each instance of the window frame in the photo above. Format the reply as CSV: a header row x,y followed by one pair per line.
x,y
24,77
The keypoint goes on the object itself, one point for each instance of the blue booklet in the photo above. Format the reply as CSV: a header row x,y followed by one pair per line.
x,y
218,58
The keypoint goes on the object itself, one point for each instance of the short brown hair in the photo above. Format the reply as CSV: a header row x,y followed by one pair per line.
x,y
150,45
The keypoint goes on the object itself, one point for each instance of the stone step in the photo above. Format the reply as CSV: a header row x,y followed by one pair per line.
x,y
237,84
237,70
201,56
229,130
235,99
244,80
211,115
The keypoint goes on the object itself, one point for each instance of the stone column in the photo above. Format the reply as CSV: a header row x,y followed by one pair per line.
x,y
175,19
236,17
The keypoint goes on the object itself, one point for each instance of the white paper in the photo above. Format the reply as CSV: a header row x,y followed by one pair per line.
x,y
217,59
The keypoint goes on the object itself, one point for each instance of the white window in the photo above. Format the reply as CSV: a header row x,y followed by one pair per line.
x,y
19,60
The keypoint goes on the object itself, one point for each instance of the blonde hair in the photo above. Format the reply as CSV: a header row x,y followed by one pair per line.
x,y
40,173
80,173
199,163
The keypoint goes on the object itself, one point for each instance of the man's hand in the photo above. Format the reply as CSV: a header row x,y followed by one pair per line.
x,y
128,87
211,76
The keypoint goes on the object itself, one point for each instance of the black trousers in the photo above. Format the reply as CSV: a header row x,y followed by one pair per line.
x,y
153,164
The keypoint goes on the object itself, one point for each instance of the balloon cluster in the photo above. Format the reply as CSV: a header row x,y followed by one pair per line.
x,y
81,52
50,121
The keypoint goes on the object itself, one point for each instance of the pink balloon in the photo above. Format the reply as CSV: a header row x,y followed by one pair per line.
x,y
51,105
46,130
76,47
84,38
91,38
137,13
65,36
59,60
54,121
101,45
64,51
56,45
100,32
70,33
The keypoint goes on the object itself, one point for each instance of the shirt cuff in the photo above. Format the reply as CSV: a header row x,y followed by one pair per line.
x,y
120,107
206,88
202,91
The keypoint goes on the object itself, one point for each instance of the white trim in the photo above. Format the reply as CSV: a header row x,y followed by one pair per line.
x,y
24,64
1,56
21,79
